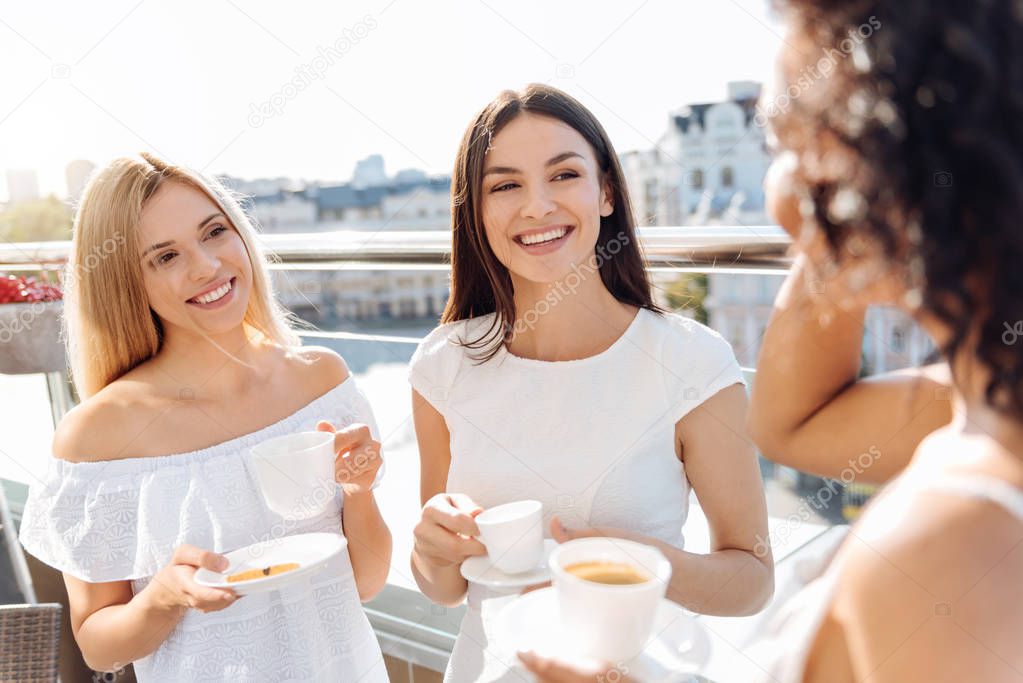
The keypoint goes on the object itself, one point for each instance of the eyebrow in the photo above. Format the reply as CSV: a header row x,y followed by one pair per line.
x,y
550,162
202,224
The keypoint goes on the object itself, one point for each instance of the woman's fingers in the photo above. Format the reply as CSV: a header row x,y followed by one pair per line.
x,y
209,599
358,462
197,557
351,437
455,512
536,587
556,671
464,503
434,540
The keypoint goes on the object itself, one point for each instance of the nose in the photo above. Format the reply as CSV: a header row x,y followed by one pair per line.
x,y
538,203
204,265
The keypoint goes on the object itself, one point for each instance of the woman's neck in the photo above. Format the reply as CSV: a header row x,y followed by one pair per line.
x,y
214,365
555,321
975,418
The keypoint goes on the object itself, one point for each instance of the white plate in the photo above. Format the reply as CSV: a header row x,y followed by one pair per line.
x,y
479,570
678,648
310,551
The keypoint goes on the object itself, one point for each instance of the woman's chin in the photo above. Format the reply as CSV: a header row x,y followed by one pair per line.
x,y
565,272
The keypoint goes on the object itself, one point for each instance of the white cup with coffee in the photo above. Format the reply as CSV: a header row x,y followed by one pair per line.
x,y
296,473
608,591
513,535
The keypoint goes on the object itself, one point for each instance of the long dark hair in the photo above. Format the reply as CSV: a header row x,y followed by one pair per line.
x,y
480,283
924,116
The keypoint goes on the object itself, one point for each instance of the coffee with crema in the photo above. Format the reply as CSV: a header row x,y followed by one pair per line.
x,y
613,573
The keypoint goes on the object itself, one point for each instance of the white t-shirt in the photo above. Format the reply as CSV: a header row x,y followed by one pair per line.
x,y
592,439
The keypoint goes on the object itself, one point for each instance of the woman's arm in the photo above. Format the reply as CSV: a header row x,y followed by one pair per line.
x,y
737,576
443,537
369,543
809,411
113,628
357,461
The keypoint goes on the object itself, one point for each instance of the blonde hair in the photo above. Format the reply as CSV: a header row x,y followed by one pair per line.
x,y
109,326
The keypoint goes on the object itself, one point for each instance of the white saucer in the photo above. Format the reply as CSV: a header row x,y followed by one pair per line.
x,y
310,551
678,647
479,570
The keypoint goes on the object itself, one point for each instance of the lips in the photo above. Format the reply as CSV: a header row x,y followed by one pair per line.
x,y
544,236
214,294
545,240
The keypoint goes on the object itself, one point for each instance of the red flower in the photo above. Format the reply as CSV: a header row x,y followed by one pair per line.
x,y
27,290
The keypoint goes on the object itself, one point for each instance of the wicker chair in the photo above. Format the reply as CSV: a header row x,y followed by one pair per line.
x,y
29,642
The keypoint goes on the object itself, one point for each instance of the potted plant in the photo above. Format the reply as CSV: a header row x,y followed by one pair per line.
x,y
30,310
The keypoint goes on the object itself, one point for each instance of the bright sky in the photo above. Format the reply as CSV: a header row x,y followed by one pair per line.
x,y
183,78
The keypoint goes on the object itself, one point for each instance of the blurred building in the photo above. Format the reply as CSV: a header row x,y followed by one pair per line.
x,y
22,185
739,307
423,204
411,201
709,162
77,174
328,297
369,172
708,168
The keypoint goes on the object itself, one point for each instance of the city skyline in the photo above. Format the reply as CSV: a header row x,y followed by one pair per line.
x,y
305,94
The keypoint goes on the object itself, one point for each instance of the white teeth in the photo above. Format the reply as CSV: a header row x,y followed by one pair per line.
x,y
548,236
218,293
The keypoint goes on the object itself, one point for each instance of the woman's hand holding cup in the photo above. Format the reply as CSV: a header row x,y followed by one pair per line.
x,y
445,533
357,457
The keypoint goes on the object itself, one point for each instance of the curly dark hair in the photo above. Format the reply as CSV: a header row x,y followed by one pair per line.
x,y
907,120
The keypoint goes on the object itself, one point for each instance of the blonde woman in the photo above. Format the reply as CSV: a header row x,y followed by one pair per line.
x,y
184,361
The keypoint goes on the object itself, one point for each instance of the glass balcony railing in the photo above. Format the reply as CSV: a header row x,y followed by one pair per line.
x,y
372,297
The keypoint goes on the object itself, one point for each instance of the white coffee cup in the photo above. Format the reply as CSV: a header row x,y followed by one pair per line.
x,y
296,473
606,621
513,535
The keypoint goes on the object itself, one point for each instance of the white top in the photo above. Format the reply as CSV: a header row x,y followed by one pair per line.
x,y
592,439
119,520
782,647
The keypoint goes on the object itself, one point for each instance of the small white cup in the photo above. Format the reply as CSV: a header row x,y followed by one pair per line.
x,y
513,535
296,473
609,622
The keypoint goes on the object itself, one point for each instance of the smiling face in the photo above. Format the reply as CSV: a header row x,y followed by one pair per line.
x,y
542,198
195,268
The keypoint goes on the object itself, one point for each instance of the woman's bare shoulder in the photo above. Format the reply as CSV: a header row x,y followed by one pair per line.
x,y
104,426
323,366
933,571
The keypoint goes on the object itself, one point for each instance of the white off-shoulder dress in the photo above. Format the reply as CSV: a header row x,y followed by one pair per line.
x,y
120,520
592,439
